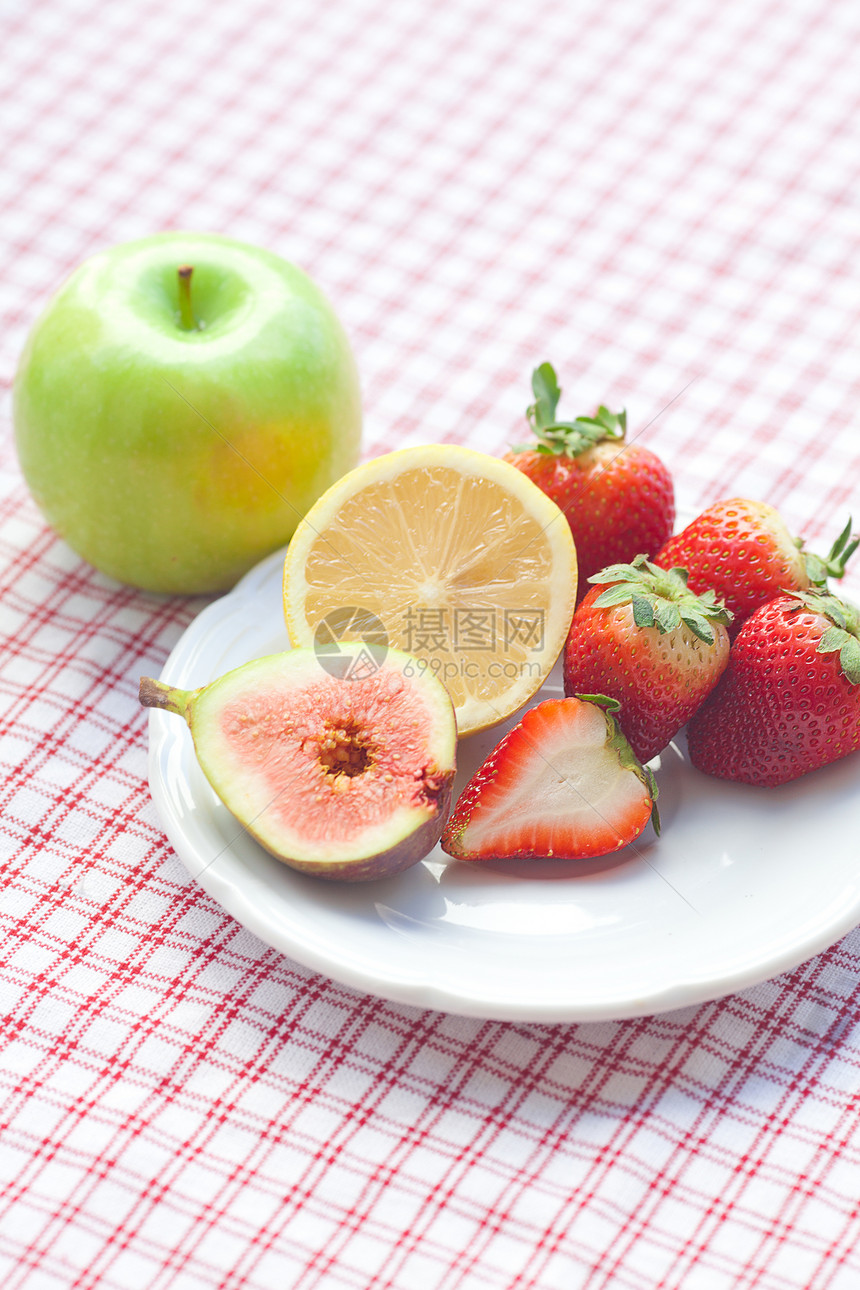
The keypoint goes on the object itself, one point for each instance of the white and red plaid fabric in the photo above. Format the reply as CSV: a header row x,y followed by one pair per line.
x,y
659,196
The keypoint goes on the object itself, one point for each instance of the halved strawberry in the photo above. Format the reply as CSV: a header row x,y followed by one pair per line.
x,y
743,551
617,497
641,636
562,783
789,701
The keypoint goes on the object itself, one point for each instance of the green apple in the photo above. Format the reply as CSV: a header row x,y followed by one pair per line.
x,y
180,404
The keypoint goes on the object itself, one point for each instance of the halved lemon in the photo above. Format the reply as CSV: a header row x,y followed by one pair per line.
x,y
448,554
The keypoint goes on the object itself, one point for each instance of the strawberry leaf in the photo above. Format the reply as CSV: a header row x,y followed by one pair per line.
x,y
620,572
643,611
612,424
848,646
698,625
832,640
566,438
651,785
842,634
820,568
667,616
547,393
829,606
619,594
714,604
849,658
660,598
602,701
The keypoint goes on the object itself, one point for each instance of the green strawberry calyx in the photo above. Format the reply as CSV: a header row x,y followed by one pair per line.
x,y
843,634
820,568
566,438
618,741
660,598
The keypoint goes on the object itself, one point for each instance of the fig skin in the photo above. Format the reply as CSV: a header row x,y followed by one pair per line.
x,y
272,712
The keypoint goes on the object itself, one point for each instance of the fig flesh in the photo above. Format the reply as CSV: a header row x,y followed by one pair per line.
x,y
345,776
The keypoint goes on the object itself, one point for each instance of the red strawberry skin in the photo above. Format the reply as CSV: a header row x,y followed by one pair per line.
x,y
561,783
659,679
619,501
781,709
743,550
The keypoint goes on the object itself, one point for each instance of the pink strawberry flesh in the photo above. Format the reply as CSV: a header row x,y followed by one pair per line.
x,y
562,783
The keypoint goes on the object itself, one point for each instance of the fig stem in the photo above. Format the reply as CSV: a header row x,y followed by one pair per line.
x,y
187,321
155,694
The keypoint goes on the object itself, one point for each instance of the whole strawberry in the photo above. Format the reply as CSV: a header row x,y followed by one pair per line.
x,y
563,783
744,551
789,700
643,638
618,498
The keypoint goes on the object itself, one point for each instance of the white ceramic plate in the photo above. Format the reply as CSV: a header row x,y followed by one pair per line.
x,y
743,884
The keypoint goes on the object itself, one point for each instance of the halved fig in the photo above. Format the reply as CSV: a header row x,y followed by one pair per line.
x,y
344,776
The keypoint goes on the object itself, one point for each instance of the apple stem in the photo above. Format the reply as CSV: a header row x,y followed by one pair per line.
x,y
186,314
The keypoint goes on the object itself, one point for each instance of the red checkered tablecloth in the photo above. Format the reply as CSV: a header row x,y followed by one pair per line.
x,y
663,198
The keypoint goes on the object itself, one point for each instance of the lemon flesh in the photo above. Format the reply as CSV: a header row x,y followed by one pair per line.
x,y
469,567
